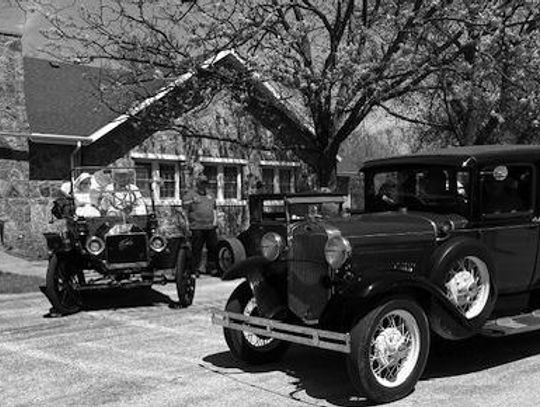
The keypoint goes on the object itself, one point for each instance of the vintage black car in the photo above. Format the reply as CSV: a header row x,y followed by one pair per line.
x,y
447,245
112,238
274,213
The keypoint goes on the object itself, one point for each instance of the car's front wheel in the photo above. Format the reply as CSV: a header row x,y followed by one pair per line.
x,y
61,285
246,346
389,350
185,279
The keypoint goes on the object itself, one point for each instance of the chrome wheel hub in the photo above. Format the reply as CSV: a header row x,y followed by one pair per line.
x,y
394,348
468,284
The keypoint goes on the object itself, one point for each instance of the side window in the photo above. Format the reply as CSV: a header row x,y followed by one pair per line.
x,y
506,189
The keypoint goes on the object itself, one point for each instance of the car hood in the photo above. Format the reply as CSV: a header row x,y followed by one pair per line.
x,y
392,227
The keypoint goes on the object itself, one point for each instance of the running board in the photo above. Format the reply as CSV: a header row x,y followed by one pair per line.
x,y
512,325
287,332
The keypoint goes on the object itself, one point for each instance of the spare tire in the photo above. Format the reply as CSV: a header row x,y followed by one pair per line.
x,y
229,252
464,270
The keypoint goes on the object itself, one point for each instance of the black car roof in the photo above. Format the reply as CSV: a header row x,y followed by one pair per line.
x,y
465,156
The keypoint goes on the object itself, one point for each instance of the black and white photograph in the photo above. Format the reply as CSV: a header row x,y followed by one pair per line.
x,y
329,203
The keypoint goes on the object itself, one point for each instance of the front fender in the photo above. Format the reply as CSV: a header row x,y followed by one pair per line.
x,y
393,283
242,268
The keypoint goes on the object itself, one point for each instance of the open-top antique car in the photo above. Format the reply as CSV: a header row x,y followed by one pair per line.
x,y
447,245
112,238
274,213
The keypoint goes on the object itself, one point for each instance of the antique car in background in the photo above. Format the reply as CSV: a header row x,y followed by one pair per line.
x,y
274,213
112,238
447,245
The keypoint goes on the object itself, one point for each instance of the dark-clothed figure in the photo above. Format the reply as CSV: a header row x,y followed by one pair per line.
x,y
200,207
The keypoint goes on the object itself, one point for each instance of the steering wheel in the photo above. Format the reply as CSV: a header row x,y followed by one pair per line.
x,y
123,200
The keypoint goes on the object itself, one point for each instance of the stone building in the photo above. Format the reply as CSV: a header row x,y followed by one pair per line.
x,y
52,119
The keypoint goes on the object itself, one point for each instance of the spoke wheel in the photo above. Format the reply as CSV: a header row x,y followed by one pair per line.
x,y
468,285
394,348
225,258
185,280
61,285
246,346
389,350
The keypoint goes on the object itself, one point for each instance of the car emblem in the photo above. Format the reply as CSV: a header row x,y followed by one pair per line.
x,y
125,243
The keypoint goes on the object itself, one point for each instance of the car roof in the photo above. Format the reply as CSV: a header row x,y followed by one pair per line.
x,y
269,196
464,156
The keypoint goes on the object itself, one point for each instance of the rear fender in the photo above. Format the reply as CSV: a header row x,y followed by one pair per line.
x,y
363,295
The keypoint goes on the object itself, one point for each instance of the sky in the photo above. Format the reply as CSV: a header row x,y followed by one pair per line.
x,y
13,19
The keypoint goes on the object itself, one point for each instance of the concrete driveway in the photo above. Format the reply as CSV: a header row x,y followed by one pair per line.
x,y
136,351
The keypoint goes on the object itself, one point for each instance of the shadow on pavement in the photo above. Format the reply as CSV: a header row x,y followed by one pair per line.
x,y
322,374
115,298
479,353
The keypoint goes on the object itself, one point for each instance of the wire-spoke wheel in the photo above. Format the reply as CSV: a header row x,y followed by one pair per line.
x,y
247,346
185,279
389,350
467,285
61,285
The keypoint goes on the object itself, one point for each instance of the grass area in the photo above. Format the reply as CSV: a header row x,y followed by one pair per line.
x,y
14,283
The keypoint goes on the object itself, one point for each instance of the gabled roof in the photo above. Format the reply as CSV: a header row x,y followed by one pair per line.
x,y
61,100
62,103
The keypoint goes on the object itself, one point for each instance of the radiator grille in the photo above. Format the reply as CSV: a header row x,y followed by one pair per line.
x,y
307,268
126,248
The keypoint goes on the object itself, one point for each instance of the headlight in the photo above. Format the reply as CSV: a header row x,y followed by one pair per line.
x,y
95,245
158,243
271,245
337,251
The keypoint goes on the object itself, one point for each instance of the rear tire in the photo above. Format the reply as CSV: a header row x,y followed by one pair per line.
x,y
60,283
245,346
185,279
389,350
229,252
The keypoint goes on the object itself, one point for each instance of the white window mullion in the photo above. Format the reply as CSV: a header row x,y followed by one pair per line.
x,y
177,181
220,183
155,177
239,183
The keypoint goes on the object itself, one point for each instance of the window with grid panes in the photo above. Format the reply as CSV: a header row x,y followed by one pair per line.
x,y
210,171
285,178
168,183
230,182
143,177
268,180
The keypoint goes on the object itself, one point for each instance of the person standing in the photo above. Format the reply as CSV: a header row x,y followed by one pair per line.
x,y
200,208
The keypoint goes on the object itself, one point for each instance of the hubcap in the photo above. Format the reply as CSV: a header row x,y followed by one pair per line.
x,y
225,258
394,348
467,285
255,340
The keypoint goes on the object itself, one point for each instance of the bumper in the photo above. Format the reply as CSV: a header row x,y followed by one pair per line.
x,y
287,332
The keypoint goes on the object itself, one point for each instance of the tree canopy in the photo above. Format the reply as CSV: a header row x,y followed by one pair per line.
x,y
333,61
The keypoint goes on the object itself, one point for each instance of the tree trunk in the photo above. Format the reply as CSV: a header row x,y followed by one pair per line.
x,y
327,172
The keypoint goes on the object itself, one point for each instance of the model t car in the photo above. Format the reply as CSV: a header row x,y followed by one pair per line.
x,y
447,245
112,238
274,213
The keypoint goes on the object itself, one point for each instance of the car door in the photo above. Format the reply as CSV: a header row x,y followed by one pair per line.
x,y
509,227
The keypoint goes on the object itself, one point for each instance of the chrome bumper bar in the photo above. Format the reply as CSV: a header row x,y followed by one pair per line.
x,y
287,332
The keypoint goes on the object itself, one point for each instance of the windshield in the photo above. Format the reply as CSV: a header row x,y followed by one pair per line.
x,y
112,191
428,188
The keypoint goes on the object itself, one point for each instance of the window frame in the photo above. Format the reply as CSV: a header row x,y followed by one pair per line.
x,y
276,167
507,215
155,160
220,163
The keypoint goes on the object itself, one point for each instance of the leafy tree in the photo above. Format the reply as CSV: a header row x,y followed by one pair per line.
x,y
491,93
331,62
